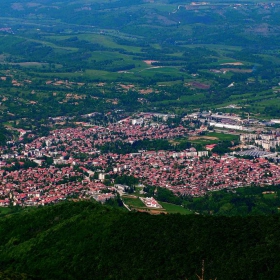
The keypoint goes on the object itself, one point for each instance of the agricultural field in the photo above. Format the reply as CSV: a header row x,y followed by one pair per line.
x,y
223,136
140,56
174,209
203,140
133,202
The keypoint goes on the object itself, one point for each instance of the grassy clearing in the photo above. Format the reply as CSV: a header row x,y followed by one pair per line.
x,y
66,75
50,44
223,136
215,47
133,202
106,55
204,141
108,41
173,209
101,74
169,83
5,210
225,60
162,7
30,64
110,55
269,196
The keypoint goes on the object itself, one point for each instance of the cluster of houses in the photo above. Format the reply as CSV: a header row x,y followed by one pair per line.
x,y
188,172
80,140
195,176
41,186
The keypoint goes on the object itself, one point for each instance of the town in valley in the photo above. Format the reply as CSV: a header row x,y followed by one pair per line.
x,y
190,155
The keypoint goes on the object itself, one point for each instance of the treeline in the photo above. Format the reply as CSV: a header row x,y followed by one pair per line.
x,y
4,135
163,195
120,147
17,165
126,180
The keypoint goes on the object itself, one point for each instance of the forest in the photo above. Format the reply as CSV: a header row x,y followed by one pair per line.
x,y
85,240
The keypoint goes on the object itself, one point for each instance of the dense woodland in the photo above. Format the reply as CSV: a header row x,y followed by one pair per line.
x,y
85,240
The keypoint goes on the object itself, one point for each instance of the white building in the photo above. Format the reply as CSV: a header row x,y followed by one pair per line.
x,y
229,126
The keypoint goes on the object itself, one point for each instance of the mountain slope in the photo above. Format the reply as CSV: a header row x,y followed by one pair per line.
x,y
87,241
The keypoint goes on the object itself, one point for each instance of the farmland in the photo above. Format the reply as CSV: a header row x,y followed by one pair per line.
x,y
176,58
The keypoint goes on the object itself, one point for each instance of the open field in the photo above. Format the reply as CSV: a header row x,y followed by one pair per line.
x,y
133,202
193,138
173,209
270,196
223,136
5,210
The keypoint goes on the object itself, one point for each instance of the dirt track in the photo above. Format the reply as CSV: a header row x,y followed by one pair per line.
x,y
203,137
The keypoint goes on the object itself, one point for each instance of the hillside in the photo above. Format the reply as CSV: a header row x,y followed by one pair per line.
x,y
85,240
76,57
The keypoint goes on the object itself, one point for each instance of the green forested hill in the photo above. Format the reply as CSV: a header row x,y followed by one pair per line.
x,y
85,240
62,58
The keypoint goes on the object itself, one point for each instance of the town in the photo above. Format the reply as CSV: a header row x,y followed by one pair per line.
x,y
82,161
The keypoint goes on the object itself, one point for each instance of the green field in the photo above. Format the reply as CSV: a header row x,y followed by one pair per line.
x,y
133,202
224,136
5,210
173,209
270,196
